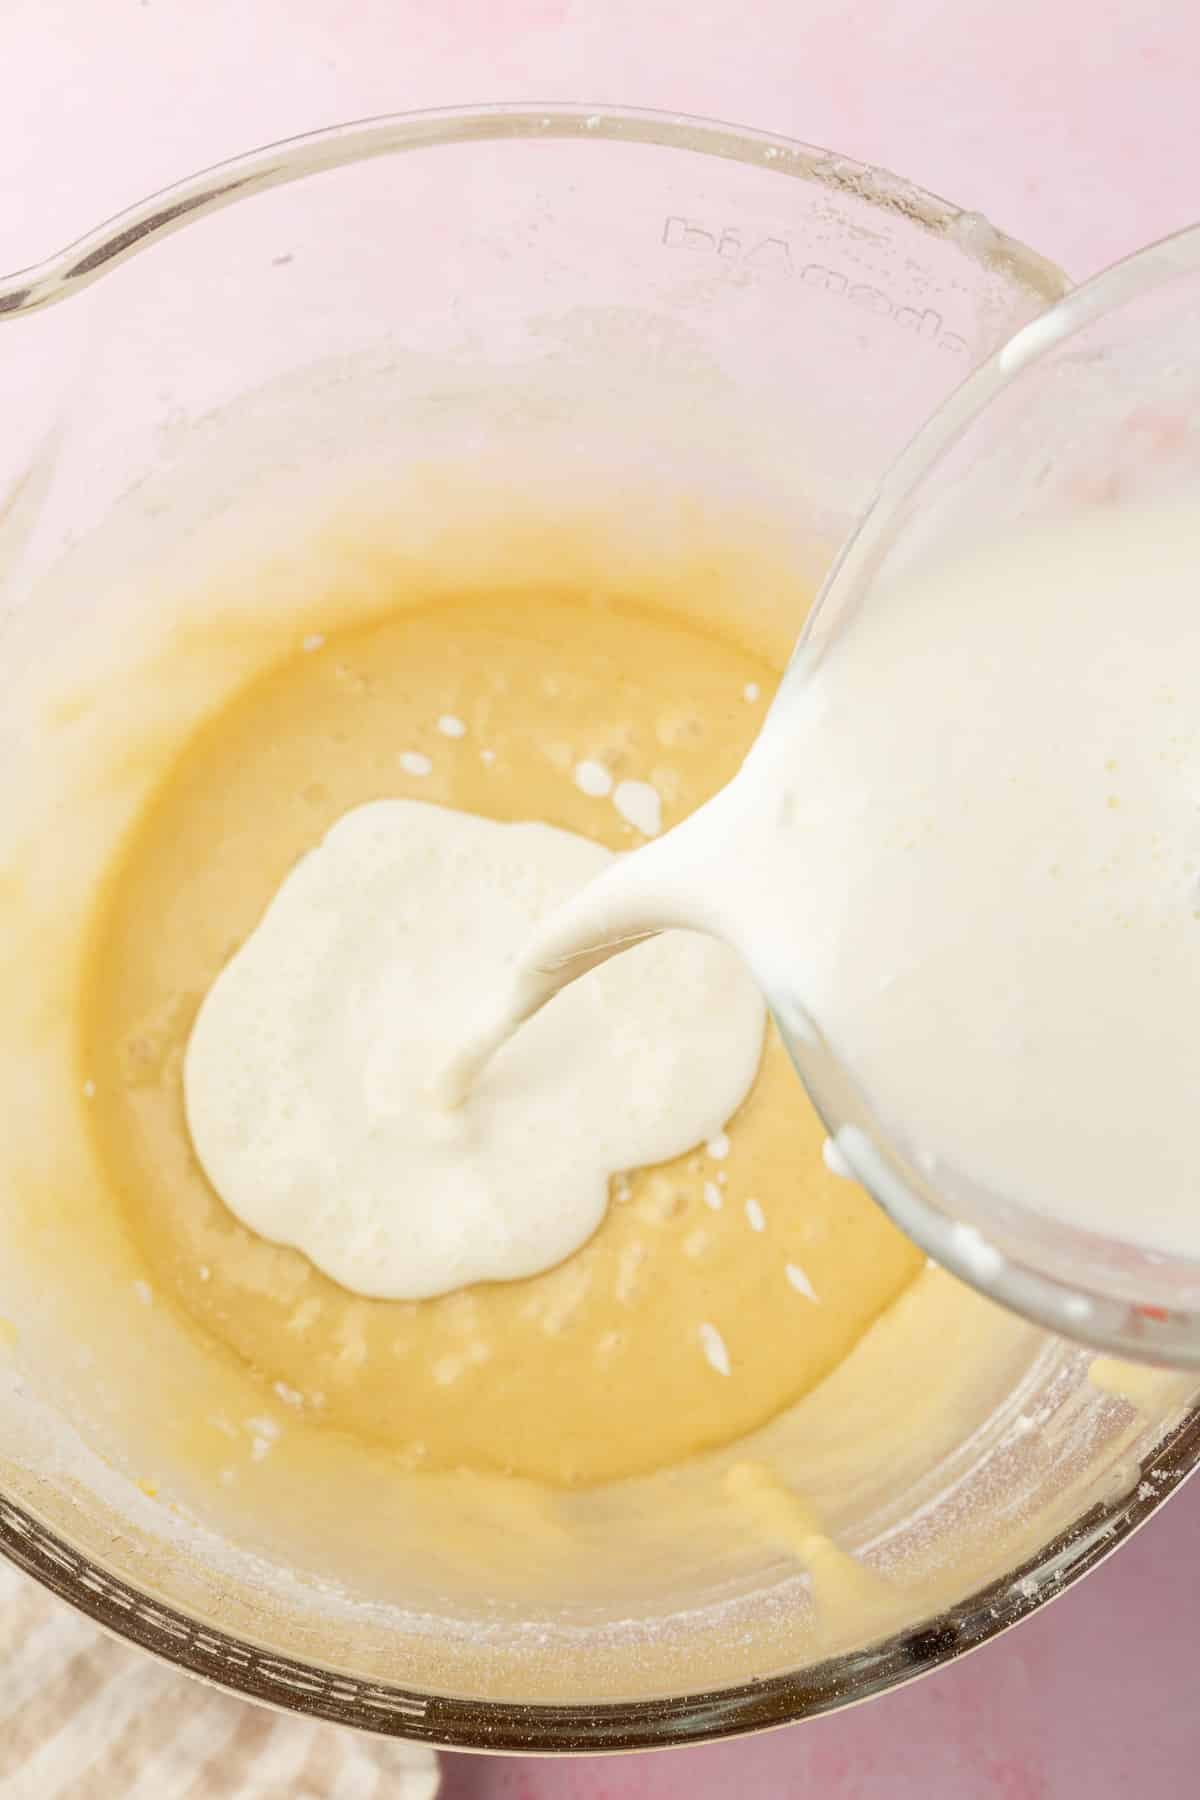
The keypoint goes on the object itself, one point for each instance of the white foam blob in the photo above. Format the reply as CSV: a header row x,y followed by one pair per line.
x,y
639,805
593,778
799,1280
835,1161
714,1348
305,1075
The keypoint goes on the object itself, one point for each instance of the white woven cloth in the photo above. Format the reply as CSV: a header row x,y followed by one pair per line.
x,y
83,1717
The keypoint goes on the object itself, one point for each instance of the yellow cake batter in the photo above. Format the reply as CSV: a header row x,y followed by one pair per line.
x,y
595,1369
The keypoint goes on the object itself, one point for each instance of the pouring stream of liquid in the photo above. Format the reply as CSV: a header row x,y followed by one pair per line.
x,y
649,890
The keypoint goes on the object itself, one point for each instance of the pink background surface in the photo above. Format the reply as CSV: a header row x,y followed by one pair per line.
x,y
1073,125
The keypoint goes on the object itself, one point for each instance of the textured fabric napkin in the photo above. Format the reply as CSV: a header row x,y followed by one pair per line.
x,y
83,1717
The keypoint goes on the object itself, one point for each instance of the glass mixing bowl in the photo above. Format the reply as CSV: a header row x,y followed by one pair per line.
x,y
707,341
1092,407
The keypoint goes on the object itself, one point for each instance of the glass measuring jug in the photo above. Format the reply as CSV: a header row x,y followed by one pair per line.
x,y
1093,408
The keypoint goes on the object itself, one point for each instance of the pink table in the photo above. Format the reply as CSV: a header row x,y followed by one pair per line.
x,y
1072,124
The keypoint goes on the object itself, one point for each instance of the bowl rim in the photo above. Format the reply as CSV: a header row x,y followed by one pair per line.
x,y
288,1684
137,226
517,1728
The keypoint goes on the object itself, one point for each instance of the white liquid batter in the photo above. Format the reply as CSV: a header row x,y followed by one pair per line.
x,y
307,1070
